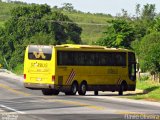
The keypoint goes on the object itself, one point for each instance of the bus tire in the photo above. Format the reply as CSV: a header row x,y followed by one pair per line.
x,y
55,92
50,92
95,92
82,89
73,90
67,93
47,91
121,88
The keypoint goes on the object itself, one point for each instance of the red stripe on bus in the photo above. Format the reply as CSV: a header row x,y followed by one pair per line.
x,y
70,77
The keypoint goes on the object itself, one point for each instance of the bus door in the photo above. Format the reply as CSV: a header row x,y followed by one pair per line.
x,y
131,66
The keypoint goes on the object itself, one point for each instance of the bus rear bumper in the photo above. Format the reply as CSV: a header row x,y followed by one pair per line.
x,y
39,86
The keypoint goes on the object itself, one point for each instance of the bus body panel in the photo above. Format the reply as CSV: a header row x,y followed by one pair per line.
x,y
39,73
95,77
102,78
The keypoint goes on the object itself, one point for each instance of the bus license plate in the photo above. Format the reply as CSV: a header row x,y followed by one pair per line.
x,y
39,79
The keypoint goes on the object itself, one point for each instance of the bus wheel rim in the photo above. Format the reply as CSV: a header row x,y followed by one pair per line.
x,y
74,89
83,88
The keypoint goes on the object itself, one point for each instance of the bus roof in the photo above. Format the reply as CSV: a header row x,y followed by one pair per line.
x,y
76,46
83,47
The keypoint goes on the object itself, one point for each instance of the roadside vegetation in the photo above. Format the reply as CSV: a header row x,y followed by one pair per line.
x,y
5,9
34,24
89,34
151,89
18,69
65,25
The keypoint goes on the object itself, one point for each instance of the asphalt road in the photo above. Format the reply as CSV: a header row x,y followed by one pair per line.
x,y
19,103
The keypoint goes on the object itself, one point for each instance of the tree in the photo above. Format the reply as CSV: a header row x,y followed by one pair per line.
x,y
68,7
150,52
124,14
119,33
148,12
156,26
138,10
144,21
147,17
36,24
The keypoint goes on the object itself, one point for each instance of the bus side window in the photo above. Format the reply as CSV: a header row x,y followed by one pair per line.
x,y
81,58
120,59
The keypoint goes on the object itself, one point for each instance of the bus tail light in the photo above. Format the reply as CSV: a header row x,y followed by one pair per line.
x,y
24,76
53,78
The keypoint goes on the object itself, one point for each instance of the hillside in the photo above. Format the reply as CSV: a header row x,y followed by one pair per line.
x,y
90,23
5,9
93,25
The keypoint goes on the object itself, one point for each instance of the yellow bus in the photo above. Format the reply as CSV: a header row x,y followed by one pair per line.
x,y
70,68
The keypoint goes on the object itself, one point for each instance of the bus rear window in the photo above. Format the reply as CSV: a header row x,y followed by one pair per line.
x,y
39,52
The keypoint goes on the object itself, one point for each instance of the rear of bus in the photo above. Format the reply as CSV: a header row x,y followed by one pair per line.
x,y
39,68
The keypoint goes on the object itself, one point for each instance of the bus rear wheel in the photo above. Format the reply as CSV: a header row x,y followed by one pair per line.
x,y
82,89
73,90
55,92
95,92
50,92
121,89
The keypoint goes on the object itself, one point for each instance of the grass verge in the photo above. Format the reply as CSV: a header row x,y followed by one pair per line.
x,y
18,69
151,90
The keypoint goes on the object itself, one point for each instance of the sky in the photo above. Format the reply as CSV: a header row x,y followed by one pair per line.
x,y
112,7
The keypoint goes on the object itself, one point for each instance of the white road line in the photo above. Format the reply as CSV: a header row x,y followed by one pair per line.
x,y
20,112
